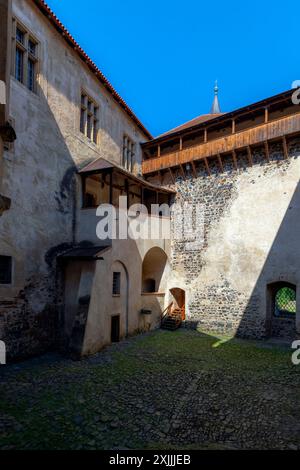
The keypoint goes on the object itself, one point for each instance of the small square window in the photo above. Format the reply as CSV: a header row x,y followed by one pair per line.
x,y
116,283
5,269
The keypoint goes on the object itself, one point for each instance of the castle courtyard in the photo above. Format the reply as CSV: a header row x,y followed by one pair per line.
x,y
168,390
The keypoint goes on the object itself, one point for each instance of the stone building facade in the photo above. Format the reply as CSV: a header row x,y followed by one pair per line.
x,y
79,145
53,86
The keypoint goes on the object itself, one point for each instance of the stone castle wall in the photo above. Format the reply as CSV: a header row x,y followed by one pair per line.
x,y
251,233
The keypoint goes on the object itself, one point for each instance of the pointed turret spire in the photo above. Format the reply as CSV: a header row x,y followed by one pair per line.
x,y
215,109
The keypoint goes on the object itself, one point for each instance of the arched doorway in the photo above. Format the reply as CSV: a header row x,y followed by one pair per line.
x,y
178,299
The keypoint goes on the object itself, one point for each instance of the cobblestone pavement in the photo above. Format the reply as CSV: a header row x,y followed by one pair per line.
x,y
162,390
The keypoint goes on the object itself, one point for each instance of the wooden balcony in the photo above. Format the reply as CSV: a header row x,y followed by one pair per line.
x,y
278,129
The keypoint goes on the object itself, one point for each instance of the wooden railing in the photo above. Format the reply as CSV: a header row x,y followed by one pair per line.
x,y
166,312
278,128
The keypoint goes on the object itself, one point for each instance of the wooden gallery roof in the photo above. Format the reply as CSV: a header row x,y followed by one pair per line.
x,y
214,136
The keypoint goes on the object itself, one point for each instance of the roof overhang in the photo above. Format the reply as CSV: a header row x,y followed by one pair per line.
x,y
223,118
101,165
89,253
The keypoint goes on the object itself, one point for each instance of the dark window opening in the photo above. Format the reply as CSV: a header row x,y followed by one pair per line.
x,y
115,329
149,286
5,269
116,283
285,301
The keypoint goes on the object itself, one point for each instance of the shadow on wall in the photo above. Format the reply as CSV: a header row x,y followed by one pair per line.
x,y
273,309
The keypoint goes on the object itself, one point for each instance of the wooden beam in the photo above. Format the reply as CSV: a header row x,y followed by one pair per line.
x,y
285,148
267,150
233,126
194,169
172,176
266,114
220,163
158,151
249,153
207,166
205,135
180,143
234,159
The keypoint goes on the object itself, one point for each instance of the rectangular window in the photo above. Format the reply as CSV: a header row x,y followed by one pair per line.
x,y
89,118
19,65
128,156
5,269
26,57
116,283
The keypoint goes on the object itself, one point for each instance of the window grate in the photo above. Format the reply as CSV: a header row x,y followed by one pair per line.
x,y
285,302
116,283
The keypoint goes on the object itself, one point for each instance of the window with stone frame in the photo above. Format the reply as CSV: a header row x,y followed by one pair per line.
x,y
25,56
128,155
89,118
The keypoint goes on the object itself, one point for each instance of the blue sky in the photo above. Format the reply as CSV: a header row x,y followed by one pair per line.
x,y
163,56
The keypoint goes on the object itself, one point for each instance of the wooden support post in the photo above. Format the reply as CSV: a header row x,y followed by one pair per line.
x,y
285,148
266,114
249,153
180,143
207,166
220,162
182,170
205,135
234,159
233,126
267,151
194,169
127,192
160,175
172,176
158,151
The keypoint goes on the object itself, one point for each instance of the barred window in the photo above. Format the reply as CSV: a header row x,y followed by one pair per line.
x,y
89,111
116,283
25,61
128,156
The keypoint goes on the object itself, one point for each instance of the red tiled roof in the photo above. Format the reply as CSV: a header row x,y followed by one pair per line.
x,y
48,13
193,122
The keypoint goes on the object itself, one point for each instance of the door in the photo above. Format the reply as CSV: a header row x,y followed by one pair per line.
x,y
115,329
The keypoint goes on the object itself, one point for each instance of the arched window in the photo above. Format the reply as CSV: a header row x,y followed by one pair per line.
x,y
285,300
